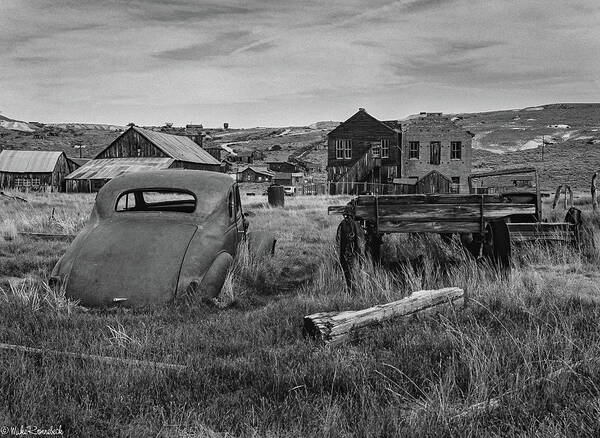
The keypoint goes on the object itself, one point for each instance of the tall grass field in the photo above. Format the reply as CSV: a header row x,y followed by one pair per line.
x,y
249,371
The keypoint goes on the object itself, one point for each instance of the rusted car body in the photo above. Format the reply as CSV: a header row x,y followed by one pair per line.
x,y
154,237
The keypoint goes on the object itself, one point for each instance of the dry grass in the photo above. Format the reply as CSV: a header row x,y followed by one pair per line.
x,y
252,373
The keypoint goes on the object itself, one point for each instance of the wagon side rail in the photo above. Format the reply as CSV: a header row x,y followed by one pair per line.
x,y
432,213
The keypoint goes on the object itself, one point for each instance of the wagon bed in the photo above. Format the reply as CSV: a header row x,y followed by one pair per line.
x,y
487,223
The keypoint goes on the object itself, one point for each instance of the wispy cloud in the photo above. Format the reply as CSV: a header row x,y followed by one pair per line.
x,y
222,45
156,60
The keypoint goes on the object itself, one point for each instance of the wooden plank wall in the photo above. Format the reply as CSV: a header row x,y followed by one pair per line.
x,y
127,145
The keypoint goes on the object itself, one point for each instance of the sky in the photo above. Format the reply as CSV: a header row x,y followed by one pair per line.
x,y
281,63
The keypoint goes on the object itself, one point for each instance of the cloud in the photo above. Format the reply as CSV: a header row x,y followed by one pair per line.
x,y
223,45
177,11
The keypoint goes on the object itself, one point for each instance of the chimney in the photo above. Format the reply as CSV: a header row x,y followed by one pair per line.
x,y
198,138
362,110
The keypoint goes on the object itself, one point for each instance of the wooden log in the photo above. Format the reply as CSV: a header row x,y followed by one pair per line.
x,y
336,327
47,236
17,198
93,357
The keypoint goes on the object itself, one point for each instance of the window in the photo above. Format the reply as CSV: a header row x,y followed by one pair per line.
x,y
156,200
413,150
455,186
385,148
343,149
27,182
435,149
230,204
455,150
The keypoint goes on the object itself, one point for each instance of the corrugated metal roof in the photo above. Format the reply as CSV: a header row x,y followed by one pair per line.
x,y
28,161
109,168
177,146
261,170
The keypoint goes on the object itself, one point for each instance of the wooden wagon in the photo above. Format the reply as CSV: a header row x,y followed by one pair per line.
x,y
488,224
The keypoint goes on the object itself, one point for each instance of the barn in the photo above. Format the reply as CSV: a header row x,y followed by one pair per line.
x,y
95,173
255,174
139,150
34,170
138,142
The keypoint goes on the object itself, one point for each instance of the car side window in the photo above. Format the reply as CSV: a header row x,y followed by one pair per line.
x,y
238,202
230,204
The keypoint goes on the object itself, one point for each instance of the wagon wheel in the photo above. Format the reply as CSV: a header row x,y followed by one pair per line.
x,y
496,245
471,242
574,218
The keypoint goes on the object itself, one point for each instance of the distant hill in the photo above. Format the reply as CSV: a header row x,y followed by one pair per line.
x,y
502,139
527,128
16,125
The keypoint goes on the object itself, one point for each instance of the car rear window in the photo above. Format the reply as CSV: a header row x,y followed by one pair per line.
x,y
156,200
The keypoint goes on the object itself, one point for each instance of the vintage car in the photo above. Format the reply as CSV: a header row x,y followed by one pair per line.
x,y
155,237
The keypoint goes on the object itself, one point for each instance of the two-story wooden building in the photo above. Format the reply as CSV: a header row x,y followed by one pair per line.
x,y
349,143
429,153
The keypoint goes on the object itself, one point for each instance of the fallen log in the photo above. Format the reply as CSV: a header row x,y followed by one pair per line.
x,y
93,357
336,327
47,236
14,197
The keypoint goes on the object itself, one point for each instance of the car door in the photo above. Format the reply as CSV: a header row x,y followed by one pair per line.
x,y
231,233
242,223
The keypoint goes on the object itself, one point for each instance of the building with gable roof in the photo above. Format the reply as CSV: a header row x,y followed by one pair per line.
x,y
34,170
366,150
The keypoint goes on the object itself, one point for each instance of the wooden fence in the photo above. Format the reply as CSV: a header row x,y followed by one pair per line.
x,y
349,188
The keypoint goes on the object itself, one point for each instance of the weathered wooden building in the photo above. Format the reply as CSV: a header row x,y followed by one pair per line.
x,y
139,150
34,170
95,173
288,178
137,142
284,166
221,152
255,174
350,141
366,150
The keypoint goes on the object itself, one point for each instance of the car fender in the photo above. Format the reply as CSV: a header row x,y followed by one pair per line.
x,y
212,282
261,243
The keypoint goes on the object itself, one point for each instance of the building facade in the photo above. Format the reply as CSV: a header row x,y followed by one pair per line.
x,y
435,143
351,140
34,170
364,149
255,174
137,142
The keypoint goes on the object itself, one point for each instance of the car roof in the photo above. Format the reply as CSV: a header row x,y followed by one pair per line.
x,y
208,187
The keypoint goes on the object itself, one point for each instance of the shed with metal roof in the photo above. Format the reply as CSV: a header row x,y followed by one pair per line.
x,y
95,173
34,170
138,142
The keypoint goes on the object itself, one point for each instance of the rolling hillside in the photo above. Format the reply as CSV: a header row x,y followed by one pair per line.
x,y
528,128
571,133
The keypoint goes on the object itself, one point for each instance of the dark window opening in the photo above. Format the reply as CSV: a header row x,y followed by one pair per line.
x,y
385,148
156,200
435,152
413,150
455,150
